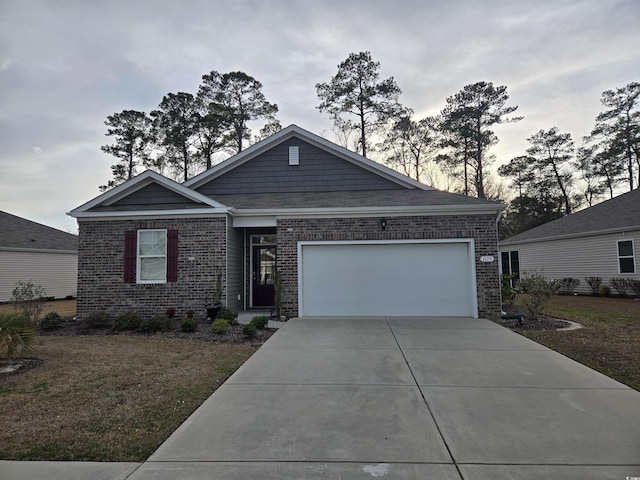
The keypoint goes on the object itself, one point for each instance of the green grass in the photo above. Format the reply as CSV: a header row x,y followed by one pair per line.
x,y
610,341
108,398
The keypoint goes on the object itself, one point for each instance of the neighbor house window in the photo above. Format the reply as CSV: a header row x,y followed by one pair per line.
x,y
626,257
511,265
151,256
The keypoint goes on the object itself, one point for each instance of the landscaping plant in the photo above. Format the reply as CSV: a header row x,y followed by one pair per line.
x,y
260,322
51,321
537,292
28,298
219,326
594,283
16,335
567,285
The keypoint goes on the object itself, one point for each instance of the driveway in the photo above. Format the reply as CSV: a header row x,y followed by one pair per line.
x,y
408,398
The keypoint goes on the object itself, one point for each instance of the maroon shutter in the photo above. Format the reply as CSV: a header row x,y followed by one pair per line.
x,y
172,256
130,248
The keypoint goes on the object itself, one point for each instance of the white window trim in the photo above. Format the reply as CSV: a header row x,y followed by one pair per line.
x,y
139,257
632,256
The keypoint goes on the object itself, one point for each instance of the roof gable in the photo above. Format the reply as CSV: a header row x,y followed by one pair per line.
x,y
22,234
147,192
323,166
617,214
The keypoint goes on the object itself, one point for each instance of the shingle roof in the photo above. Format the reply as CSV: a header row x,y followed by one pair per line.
x,y
341,199
17,232
617,214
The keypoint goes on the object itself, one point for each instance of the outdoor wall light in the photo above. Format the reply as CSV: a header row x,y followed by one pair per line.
x,y
383,223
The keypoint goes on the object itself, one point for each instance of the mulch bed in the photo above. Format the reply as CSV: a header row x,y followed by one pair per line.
x,y
203,332
542,322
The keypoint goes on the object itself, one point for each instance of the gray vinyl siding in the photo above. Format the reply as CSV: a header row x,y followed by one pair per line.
x,y
153,194
318,171
56,272
594,256
235,267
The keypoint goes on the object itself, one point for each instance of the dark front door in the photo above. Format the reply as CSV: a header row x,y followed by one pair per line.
x,y
264,275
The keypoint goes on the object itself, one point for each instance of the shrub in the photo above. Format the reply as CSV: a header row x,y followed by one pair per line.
x,y
634,285
28,298
621,285
159,323
567,285
190,313
259,322
249,330
98,320
188,325
220,326
16,335
604,291
171,312
594,283
127,321
508,292
228,315
538,292
51,321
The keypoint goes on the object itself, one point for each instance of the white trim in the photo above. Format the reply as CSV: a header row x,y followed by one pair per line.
x,y
144,179
470,246
38,250
139,258
254,221
294,130
632,256
150,214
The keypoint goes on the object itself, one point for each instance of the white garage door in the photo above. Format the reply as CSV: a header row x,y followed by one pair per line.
x,y
381,279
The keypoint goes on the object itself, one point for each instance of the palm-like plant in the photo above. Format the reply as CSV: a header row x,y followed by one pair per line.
x,y
16,335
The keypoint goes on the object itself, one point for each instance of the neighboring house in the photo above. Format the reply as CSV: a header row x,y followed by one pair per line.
x,y
600,241
349,237
44,255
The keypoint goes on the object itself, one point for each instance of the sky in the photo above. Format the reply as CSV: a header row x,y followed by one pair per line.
x,y
65,65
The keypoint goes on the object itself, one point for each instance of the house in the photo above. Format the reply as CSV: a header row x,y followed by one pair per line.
x,y
31,251
600,241
348,236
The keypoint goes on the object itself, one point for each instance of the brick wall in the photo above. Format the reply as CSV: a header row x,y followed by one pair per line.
x,y
481,228
101,287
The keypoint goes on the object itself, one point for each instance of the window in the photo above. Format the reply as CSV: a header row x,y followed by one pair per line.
x,y
626,257
511,265
151,256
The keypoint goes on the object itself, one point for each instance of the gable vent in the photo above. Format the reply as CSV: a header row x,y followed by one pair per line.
x,y
294,155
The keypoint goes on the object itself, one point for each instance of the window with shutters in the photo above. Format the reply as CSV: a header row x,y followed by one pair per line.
x,y
151,256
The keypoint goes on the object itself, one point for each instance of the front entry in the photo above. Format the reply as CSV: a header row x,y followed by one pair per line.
x,y
264,275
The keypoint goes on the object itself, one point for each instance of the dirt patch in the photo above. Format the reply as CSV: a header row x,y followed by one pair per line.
x,y
11,367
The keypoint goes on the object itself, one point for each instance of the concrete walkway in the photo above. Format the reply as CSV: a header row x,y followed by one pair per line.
x,y
436,398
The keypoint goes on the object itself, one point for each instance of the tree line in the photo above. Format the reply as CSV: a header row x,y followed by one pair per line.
x,y
187,131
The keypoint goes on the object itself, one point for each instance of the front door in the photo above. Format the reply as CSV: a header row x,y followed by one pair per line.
x,y
264,275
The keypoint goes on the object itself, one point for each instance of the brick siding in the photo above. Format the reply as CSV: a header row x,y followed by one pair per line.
x,y
101,285
480,228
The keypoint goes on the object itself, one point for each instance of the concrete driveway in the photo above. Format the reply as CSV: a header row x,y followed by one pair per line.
x,y
408,398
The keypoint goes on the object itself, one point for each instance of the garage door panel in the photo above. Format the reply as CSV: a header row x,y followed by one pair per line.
x,y
386,279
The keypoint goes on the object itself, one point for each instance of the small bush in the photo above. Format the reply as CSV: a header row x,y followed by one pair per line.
x,y
127,321
594,283
16,335
220,326
190,313
508,292
228,315
634,285
538,292
28,298
249,331
260,322
621,285
51,321
98,320
604,291
159,323
567,285
188,325
171,312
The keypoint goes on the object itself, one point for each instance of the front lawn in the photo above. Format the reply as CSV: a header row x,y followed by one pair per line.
x,y
610,341
108,397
